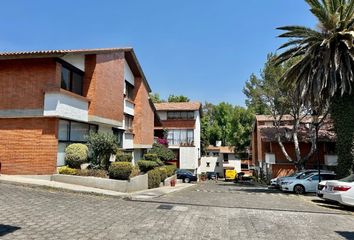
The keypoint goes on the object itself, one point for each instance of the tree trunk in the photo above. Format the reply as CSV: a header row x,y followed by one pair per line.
x,y
342,113
283,149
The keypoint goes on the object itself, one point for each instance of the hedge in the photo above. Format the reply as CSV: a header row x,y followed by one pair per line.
x,y
67,170
123,157
163,173
135,171
171,169
120,170
75,155
146,166
154,178
151,157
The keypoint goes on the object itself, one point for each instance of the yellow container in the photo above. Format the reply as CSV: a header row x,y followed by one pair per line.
x,y
230,174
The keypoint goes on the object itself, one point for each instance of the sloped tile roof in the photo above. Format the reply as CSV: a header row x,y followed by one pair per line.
x,y
178,106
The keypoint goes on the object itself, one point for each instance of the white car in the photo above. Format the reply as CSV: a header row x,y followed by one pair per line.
x,y
341,191
306,183
276,182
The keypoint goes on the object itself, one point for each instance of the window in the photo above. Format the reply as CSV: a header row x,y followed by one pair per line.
x,y
244,166
226,157
327,177
128,122
71,79
129,90
180,115
208,164
71,131
180,136
217,164
119,136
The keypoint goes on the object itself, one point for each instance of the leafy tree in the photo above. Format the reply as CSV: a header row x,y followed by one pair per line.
x,y
324,71
155,98
251,91
241,128
176,98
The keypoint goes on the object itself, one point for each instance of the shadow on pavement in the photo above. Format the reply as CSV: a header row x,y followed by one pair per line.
x,y
346,235
6,229
332,205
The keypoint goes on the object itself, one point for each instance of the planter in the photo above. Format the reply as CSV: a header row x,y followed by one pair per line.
x,y
134,184
173,182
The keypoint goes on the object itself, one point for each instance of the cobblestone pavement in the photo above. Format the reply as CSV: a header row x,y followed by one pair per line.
x,y
205,211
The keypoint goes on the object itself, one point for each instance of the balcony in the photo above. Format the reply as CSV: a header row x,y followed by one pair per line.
x,y
180,142
129,107
62,103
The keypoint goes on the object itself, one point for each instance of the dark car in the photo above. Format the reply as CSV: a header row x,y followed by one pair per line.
x,y
212,175
186,176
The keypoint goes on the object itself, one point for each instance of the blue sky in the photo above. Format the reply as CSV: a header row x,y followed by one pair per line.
x,y
204,49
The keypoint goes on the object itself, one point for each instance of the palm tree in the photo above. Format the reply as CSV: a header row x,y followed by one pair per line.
x,y
324,69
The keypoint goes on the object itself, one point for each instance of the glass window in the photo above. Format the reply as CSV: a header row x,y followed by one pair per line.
x,y
65,78
129,90
63,133
208,164
190,115
217,164
128,122
78,131
119,136
226,157
314,177
190,136
71,80
184,115
77,82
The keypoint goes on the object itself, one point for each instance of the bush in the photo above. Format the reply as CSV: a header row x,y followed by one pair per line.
x,y
151,157
135,171
154,178
92,173
146,166
123,157
163,173
75,155
101,147
171,169
162,152
67,170
120,170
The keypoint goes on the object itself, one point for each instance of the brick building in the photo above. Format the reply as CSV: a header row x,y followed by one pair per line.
x,y
180,124
268,157
50,99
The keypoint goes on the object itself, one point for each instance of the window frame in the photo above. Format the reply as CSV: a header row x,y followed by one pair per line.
x,y
68,131
72,69
129,94
226,159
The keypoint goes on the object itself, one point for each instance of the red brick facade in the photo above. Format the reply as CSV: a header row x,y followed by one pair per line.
x,y
28,145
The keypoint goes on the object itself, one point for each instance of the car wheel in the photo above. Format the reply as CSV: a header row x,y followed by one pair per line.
x,y
299,189
187,180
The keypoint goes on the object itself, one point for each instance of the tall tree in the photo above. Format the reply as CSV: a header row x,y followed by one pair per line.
x,y
178,98
253,98
155,98
324,67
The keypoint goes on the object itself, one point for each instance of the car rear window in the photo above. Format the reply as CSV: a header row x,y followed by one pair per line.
x,y
350,178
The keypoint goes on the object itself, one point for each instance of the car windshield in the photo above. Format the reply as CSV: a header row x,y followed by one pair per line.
x,y
350,178
304,175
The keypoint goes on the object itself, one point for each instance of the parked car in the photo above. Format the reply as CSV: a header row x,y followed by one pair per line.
x,y
341,191
186,176
212,175
306,183
298,175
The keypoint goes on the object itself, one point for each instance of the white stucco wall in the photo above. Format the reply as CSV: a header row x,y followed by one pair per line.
x,y
75,60
128,74
188,158
203,168
61,105
197,133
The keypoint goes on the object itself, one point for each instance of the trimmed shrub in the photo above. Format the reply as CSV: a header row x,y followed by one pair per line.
x,y
67,170
154,178
162,152
92,173
171,169
146,166
135,171
120,170
151,157
123,157
75,155
163,173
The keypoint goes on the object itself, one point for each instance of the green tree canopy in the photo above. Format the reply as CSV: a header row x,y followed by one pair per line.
x,y
176,98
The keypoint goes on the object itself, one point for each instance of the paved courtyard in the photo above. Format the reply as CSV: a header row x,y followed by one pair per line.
x,y
204,211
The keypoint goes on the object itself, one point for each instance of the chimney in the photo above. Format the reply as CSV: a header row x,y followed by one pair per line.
x,y
218,144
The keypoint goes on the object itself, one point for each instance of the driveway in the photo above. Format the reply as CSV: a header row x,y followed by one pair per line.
x,y
205,211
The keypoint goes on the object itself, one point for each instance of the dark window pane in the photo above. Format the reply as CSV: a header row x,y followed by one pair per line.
x,y
63,133
78,131
65,78
77,82
190,115
119,136
184,115
129,90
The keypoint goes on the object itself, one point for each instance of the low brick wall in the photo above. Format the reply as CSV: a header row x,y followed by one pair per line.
x,y
135,184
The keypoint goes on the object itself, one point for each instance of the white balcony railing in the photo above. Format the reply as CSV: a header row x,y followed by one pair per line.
x,y
66,105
